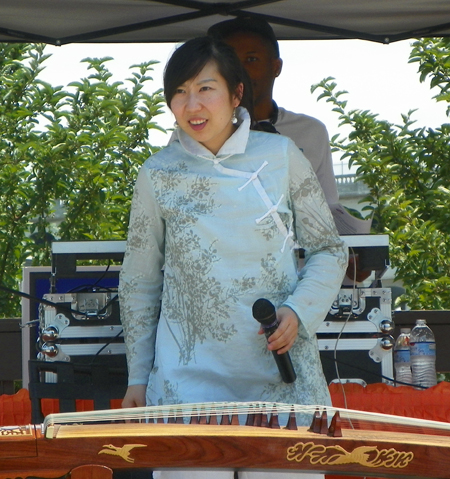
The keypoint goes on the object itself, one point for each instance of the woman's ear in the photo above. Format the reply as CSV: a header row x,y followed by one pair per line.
x,y
238,95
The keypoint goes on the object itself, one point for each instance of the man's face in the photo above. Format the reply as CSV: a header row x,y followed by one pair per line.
x,y
258,58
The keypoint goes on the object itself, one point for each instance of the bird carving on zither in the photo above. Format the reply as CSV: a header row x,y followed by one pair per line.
x,y
360,455
123,452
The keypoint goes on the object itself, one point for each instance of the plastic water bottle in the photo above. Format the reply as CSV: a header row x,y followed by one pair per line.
x,y
402,362
423,355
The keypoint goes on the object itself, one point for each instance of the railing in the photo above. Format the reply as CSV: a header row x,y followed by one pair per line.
x,y
345,179
348,186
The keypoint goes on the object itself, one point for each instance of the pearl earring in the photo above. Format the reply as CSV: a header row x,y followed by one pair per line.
x,y
234,119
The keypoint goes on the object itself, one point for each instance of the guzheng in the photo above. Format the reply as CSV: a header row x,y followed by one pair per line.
x,y
227,436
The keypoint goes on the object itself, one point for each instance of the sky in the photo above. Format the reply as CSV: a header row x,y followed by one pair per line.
x,y
377,78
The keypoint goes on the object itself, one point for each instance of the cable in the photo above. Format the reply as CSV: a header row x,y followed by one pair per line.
x,y
350,312
377,375
56,305
39,300
91,286
105,346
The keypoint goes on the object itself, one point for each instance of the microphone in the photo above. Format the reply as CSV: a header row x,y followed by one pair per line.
x,y
264,312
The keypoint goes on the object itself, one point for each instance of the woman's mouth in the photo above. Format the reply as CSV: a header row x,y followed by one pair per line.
x,y
198,124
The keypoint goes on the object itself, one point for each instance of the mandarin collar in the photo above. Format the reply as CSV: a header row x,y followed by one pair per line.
x,y
236,144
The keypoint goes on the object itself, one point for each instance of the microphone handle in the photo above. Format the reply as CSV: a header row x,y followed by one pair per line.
x,y
283,361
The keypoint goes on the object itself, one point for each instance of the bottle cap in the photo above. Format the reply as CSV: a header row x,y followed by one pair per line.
x,y
405,330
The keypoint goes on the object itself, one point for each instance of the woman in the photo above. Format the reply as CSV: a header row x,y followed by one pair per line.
x,y
221,210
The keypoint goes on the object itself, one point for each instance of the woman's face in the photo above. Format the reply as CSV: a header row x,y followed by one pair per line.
x,y
203,107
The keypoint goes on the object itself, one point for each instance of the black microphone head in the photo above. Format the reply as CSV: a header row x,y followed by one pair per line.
x,y
264,312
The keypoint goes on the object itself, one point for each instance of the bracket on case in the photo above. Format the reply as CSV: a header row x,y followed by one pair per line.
x,y
348,301
386,342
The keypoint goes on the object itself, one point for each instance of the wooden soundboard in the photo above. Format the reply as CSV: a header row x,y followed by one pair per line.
x,y
343,447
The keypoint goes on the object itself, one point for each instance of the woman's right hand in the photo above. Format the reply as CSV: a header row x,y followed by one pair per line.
x,y
135,396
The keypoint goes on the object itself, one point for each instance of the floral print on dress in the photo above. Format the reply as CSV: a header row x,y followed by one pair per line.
x,y
197,259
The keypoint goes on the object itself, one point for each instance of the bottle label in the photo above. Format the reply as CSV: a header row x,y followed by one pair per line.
x,y
402,356
423,349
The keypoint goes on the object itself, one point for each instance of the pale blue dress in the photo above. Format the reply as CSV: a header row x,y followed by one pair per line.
x,y
208,236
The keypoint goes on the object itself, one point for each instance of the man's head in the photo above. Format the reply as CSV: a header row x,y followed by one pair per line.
x,y
257,47
256,26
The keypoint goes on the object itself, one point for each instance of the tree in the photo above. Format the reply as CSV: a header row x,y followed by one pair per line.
x,y
79,148
407,170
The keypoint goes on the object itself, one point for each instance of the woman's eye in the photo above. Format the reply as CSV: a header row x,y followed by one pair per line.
x,y
179,90
205,88
251,59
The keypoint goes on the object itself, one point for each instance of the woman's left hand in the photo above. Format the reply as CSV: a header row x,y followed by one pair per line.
x,y
283,338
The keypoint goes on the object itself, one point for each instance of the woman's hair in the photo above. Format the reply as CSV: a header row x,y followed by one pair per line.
x,y
189,59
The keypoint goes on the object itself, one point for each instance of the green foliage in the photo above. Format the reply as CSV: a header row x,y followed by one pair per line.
x,y
407,171
79,148
433,56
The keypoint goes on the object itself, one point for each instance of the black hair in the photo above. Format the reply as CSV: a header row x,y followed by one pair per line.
x,y
258,26
189,59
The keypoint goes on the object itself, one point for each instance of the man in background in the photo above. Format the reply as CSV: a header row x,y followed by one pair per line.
x,y
257,47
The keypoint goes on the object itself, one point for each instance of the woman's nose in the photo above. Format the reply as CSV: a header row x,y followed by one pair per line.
x,y
193,103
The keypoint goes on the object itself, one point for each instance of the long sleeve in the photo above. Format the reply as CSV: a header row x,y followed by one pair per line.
x,y
141,280
325,253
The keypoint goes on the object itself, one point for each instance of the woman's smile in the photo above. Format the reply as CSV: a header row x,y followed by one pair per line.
x,y
198,124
